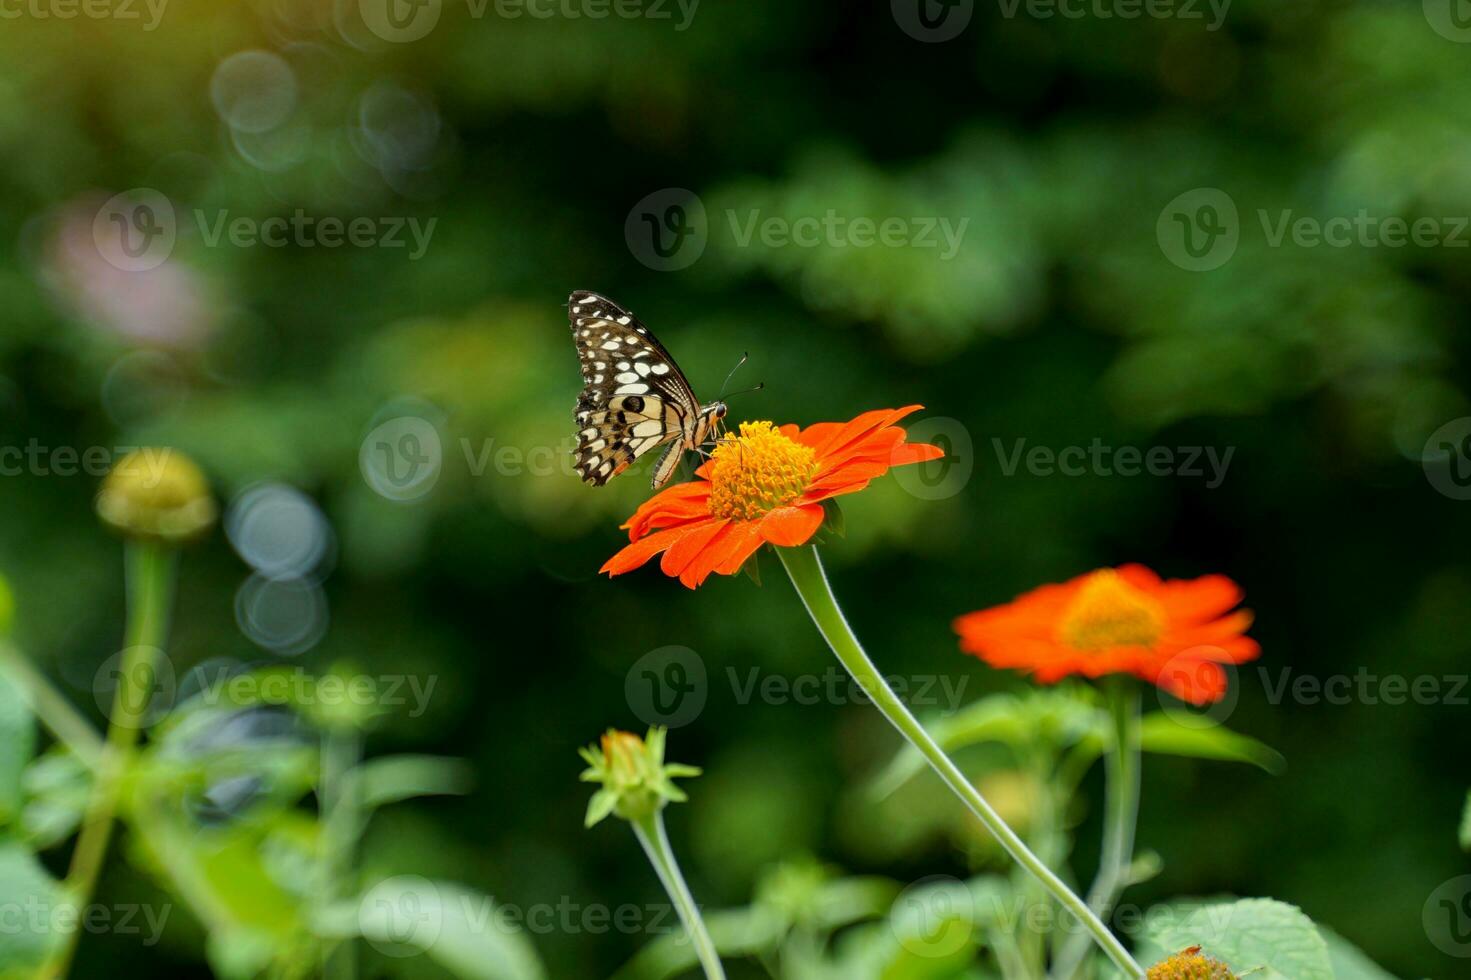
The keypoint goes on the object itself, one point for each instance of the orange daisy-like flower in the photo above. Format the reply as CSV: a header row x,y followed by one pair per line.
x,y
1125,620
764,486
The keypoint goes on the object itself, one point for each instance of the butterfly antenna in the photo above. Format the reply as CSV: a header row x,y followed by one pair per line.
x,y
746,391
733,370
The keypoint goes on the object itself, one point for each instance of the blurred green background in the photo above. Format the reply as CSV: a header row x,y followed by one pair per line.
x,y
1064,316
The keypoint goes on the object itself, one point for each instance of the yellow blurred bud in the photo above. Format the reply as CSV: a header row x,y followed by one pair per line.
x,y
158,494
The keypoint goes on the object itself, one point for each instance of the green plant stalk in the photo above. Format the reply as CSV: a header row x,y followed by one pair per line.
x,y
341,826
1121,816
651,834
51,707
149,578
804,566
1044,841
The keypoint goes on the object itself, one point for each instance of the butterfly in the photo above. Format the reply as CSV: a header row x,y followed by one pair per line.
x,y
634,397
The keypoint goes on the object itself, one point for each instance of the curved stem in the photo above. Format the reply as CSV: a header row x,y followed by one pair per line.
x,y
650,833
149,579
1121,769
805,569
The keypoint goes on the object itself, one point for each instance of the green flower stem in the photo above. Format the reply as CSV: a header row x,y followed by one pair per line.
x,y
341,827
149,571
51,707
1121,772
805,569
650,833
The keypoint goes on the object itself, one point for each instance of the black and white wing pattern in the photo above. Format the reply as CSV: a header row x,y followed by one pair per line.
x,y
634,397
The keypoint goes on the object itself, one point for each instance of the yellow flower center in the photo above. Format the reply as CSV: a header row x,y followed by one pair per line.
x,y
1109,612
758,471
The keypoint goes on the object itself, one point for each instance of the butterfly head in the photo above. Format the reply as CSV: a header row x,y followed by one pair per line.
x,y
709,426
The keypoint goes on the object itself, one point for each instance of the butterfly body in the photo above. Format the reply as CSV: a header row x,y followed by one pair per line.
x,y
634,397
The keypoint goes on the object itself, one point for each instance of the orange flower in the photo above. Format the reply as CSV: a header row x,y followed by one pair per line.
x,y
765,486
1174,633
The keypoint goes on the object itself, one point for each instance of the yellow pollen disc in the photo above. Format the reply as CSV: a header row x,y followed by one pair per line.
x,y
758,471
1109,612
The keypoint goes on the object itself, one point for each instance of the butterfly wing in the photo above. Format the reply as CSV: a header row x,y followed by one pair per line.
x,y
634,397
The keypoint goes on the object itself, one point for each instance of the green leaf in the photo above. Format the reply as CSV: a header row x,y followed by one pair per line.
x,y
391,778
57,787
1163,734
34,897
1348,962
459,928
17,745
1250,934
598,808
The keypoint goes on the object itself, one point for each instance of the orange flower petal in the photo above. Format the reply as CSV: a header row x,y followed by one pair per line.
x,y
789,527
640,551
744,541
914,452
688,547
853,431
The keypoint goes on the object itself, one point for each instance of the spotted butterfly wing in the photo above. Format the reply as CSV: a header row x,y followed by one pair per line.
x,y
634,397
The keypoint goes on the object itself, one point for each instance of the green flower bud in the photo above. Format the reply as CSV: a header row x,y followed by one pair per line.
x,y
157,494
635,782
